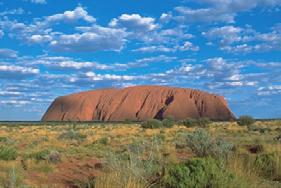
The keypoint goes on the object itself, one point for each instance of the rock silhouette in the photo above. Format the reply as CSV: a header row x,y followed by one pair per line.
x,y
138,103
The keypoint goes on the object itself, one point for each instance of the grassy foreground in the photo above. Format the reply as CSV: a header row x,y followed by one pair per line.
x,y
220,154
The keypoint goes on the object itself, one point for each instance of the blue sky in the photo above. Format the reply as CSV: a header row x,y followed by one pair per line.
x,y
51,48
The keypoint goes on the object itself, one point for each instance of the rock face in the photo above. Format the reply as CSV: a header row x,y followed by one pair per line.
x,y
138,103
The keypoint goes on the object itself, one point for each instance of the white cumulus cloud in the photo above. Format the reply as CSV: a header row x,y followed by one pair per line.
x,y
98,39
134,22
17,72
79,13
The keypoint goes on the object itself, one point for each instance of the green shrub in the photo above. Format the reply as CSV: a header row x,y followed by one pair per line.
x,y
168,122
200,172
151,124
203,145
8,153
245,120
201,122
72,135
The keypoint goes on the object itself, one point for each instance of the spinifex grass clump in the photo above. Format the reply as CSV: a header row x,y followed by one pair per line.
x,y
8,153
72,135
268,166
265,167
12,178
135,167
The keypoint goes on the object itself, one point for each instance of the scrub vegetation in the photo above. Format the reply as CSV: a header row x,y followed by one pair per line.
x,y
157,154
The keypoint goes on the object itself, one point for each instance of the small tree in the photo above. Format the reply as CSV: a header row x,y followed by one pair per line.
x,y
245,120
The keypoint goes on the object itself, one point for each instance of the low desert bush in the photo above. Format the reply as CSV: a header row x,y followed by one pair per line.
x,y
46,155
72,135
200,172
201,122
8,153
40,155
202,144
245,120
189,122
168,122
256,128
151,124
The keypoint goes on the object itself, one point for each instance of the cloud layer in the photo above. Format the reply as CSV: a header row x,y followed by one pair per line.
x,y
211,45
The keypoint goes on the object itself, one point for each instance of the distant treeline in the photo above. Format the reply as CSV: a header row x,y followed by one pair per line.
x,y
25,123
